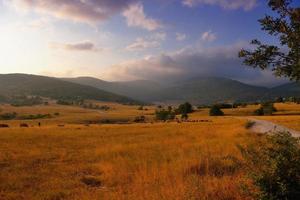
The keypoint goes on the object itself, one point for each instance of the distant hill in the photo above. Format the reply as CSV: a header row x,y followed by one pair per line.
x,y
200,90
23,84
142,90
208,90
286,90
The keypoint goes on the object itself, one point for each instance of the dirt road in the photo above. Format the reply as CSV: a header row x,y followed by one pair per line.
x,y
263,126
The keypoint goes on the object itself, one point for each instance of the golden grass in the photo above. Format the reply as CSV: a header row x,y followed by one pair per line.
x,y
133,161
137,161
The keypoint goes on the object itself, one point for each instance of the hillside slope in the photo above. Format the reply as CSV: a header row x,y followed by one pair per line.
x,y
207,90
23,84
141,89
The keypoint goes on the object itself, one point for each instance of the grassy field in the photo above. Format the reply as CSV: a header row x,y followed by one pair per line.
x,y
126,161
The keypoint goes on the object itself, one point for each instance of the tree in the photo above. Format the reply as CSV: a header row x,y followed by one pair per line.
x,y
265,109
215,111
184,108
283,59
274,166
164,115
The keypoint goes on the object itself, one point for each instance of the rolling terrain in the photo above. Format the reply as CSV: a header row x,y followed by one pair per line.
x,y
23,84
201,90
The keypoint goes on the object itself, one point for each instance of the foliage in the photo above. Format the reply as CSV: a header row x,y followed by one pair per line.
x,y
274,166
184,116
215,111
184,108
140,119
249,124
20,100
164,115
37,116
284,60
265,109
8,116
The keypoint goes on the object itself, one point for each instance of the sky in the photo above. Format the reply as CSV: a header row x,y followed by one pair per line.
x,y
117,40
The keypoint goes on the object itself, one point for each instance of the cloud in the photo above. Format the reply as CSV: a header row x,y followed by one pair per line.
x,y
180,36
142,44
190,62
79,46
152,41
136,17
208,36
86,11
226,4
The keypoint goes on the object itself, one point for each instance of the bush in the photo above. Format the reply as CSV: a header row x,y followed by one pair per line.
x,y
184,108
8,116
265,109
164,115
215,111
249,124
184,116
140,119
274,166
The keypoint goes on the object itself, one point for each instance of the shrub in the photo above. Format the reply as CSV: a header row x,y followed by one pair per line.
x,y
249,124
184,116
265,109
141,108
215,111
8,116
274,166
184,108
164,115
140,119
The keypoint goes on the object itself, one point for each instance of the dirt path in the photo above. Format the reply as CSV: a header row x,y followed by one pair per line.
x,y
263,126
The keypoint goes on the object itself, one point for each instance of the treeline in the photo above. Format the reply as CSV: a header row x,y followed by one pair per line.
x,y
14,115
21,100
83,104
170,113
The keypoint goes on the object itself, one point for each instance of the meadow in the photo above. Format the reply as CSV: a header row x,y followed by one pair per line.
x,y
154,160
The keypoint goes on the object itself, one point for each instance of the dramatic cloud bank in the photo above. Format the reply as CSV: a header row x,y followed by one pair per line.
x,y
226,4
87,11
136,17
189,63
80,46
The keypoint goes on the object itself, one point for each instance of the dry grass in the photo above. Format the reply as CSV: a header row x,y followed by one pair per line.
x,y
129,161
146,161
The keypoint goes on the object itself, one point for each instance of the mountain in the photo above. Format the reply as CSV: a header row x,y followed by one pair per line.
x,y
286,90
207,90
23,84
142,90
201,90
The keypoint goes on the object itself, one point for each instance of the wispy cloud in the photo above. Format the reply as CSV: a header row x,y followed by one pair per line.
x,y
79,46
226,4
141,44
180,36
208,36
91,11
136,17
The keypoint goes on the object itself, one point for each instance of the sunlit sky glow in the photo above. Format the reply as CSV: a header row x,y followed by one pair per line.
x,y
130,39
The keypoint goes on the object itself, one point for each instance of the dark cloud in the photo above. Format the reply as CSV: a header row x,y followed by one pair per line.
x,y
189,63
80,46
88,11
226,4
